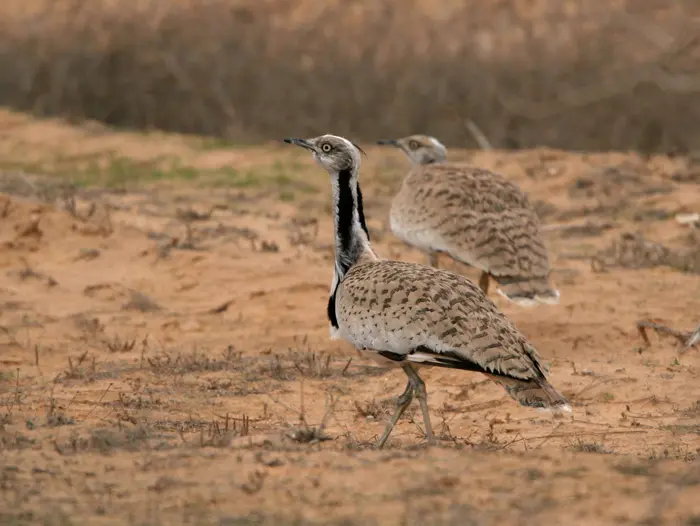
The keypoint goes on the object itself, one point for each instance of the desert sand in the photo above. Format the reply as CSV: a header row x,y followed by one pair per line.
x,y
165,355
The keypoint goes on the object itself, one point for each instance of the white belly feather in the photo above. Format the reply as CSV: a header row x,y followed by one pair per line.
x,y
427,239
376,336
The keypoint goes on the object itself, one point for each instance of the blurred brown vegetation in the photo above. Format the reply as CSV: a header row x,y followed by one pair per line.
x,y
575,74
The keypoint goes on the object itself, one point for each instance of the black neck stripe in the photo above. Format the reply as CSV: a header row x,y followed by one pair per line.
x,y
346,207
348,246
360,211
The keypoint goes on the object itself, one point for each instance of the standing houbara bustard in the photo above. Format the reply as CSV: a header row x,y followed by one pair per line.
x,y
476,216
411,314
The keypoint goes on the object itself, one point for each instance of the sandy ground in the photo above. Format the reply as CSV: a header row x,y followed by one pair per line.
x,y
151,376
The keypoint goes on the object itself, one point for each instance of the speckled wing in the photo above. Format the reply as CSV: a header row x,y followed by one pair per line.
x,y
476,216
476,188
428,316
507,244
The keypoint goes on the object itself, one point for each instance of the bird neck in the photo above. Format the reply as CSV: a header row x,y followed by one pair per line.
x,y
352,244
433,156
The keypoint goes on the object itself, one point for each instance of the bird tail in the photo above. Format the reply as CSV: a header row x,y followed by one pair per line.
x,y
528,292
534,393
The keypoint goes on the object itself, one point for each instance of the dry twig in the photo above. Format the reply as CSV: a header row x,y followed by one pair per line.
x,y
687,339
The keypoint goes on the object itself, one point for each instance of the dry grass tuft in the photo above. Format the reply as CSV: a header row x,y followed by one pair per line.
x,y
140,302
585,446
107,440
633,250
219,434
176,363
370,409
83,367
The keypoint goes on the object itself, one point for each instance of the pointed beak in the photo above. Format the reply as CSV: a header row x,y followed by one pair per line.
x,y
388,142
300,142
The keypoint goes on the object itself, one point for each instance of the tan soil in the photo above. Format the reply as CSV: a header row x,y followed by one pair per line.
x,y
146,383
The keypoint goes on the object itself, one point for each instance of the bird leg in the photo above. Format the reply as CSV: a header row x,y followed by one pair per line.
x,y
402,402
484,282
422,396
433,259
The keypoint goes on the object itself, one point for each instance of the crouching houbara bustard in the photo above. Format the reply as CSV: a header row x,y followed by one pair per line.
x,y
415,315
476,216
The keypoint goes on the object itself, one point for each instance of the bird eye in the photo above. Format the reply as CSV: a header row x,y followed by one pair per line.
x,y
413,145
325,147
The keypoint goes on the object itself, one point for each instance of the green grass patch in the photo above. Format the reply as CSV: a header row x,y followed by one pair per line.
x,y
116,172
289,178
121,172
214,143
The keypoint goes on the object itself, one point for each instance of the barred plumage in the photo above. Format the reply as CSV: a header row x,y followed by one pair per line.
x,y
415,315
478,217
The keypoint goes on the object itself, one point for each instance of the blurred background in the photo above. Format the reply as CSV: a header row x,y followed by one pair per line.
x,y
164,346
573,74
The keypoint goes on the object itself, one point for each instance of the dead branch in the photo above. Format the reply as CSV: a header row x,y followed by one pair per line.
x,y
693,339
478,135
188,215
585,225
687,339
223,307
5,210
312,435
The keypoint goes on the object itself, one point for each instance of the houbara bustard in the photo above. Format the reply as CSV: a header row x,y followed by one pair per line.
x,y
478,217
414,315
